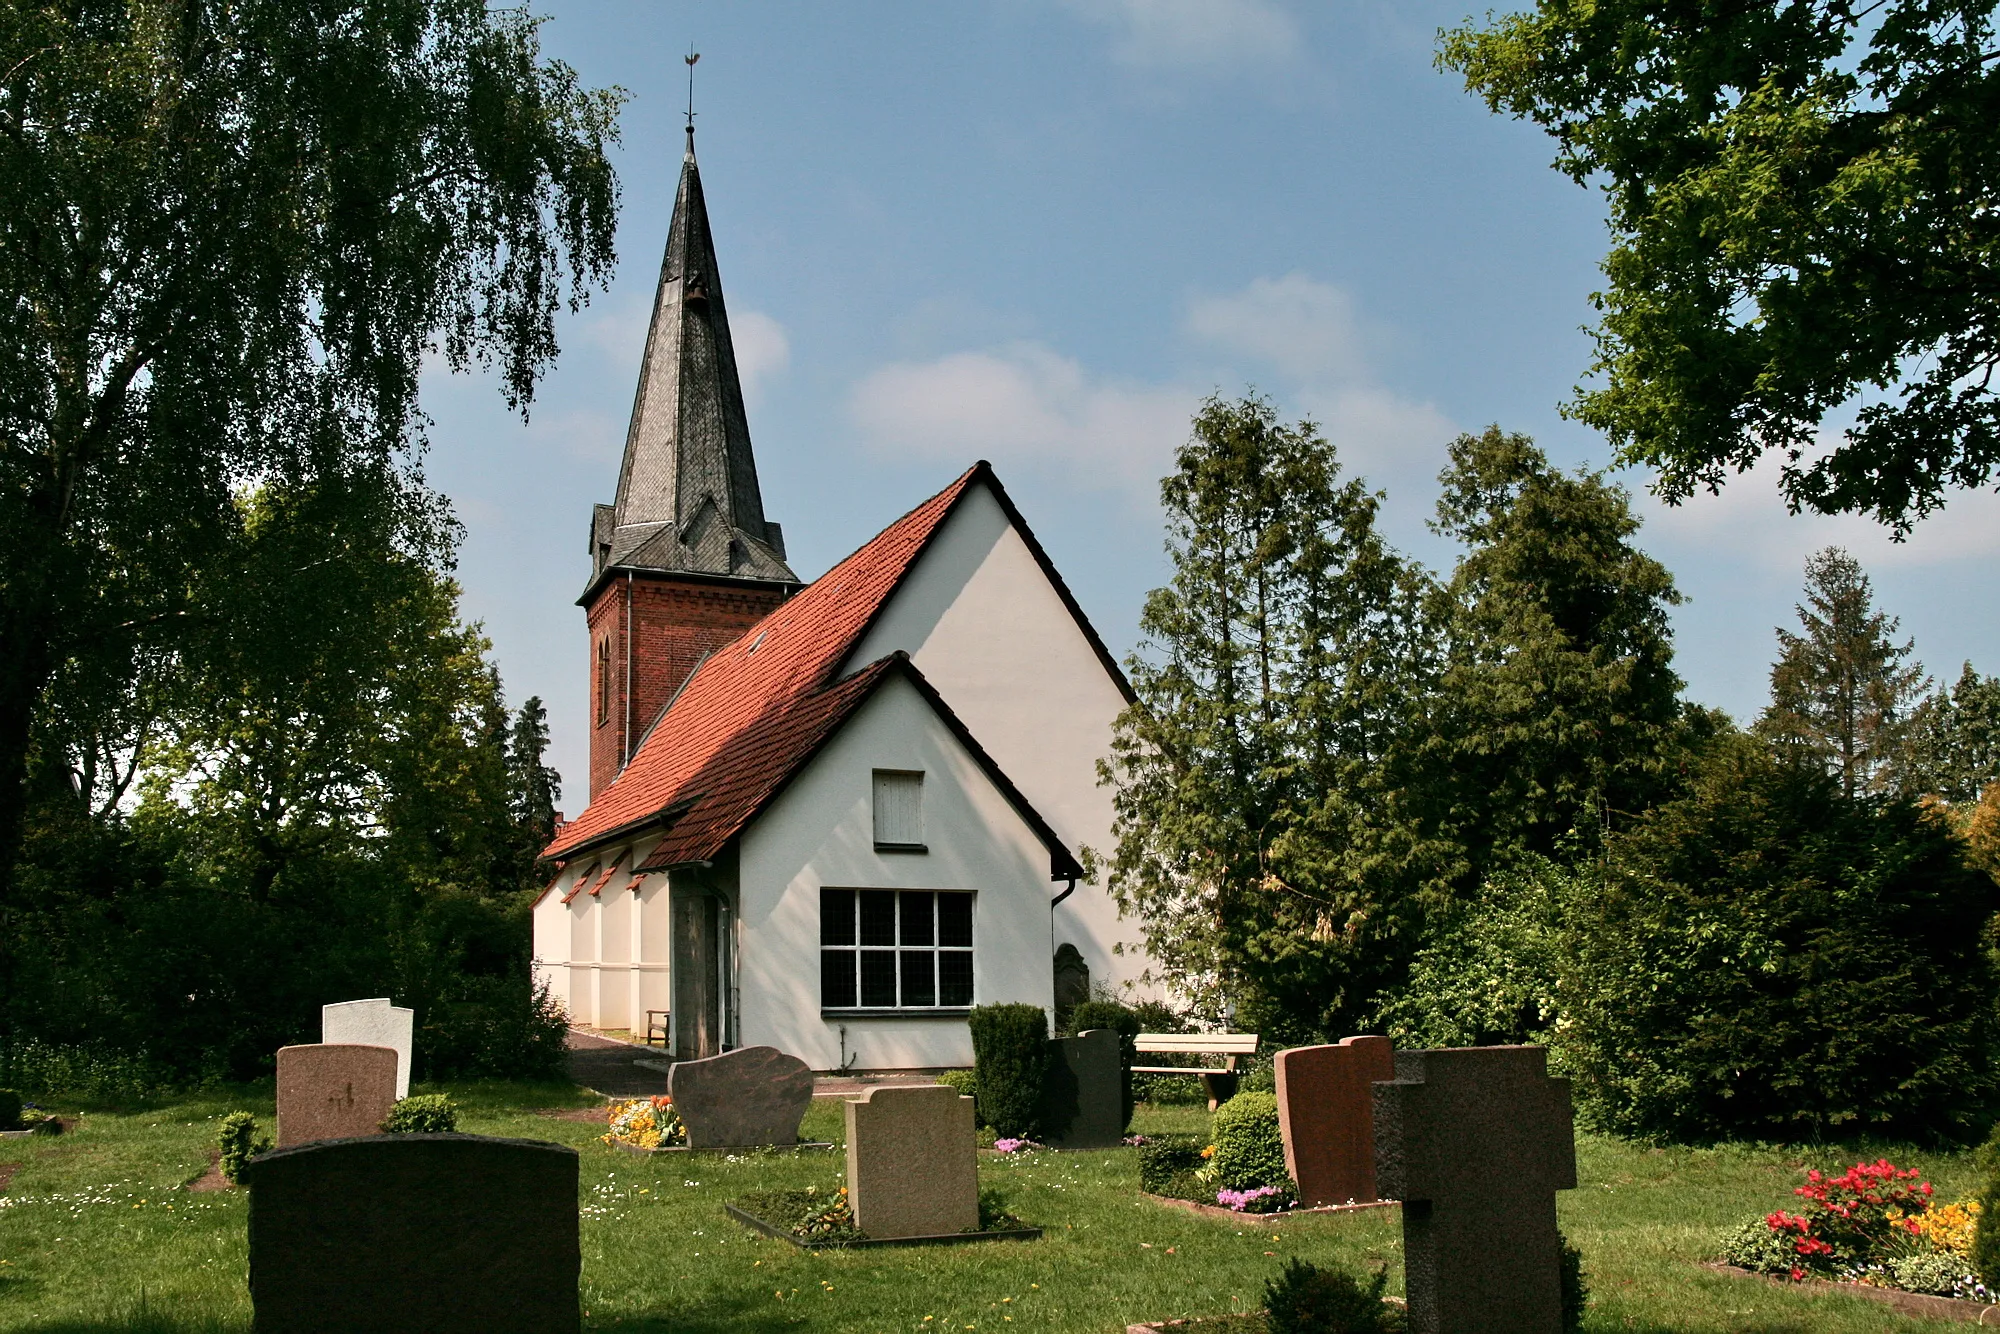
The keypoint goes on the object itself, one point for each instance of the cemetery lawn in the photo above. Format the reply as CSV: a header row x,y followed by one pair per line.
x,y
99,1232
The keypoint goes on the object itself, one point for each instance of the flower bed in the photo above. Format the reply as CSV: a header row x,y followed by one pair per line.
x,y
645,1124
1876,1225
812,1219
1185,1169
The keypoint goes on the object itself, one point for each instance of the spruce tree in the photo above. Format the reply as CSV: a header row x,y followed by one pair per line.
x,y
1843,692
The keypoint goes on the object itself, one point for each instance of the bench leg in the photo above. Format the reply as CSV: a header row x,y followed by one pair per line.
x,y
1220,1089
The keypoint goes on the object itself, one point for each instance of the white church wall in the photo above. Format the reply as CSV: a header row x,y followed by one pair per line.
x,y
987,629
819,832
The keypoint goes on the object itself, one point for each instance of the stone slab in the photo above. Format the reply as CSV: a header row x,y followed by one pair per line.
x,y
1326,1113
333,1090
415,1234
1476,1141
912,1162
373,1023
755,1095
1086,1093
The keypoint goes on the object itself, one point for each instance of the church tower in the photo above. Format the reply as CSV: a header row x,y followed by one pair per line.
x,y
683,561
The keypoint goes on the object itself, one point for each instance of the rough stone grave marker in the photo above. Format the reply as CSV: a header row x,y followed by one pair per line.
x,y
912,1164
373,1023
1086,1092
415,1234
1476,1141
756,1095
333,1091
1326,1112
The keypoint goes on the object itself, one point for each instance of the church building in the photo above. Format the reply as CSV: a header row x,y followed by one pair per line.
x,y
826,817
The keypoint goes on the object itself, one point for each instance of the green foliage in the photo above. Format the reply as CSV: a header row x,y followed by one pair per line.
x,y
1986,1234
422,1114
1769,959
1800,205
10,1110
1575,1292
237,1143
1261,838
93,1071
1756,1246
1011,1055
1488,974
1168,1162
1306,1299
1249,1149
1955,739
1842,696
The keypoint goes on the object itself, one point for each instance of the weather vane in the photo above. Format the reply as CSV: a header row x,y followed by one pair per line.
x,y
692,56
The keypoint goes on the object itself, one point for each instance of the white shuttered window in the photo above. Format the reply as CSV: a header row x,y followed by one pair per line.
x,y
899,809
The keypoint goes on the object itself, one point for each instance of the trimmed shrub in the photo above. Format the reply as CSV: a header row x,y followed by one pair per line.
x,y
237,1143
1010,1053
1163,1163
10,1110
1306,1299
1249,1149
1768,959
1122,1020
1986,1235
423,1114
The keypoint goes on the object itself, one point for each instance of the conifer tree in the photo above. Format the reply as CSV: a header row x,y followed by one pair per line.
x,y
536,787
1954,749
1843,692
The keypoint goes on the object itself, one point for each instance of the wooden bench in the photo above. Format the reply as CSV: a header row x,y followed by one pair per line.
x,y
656,1026
1218,1081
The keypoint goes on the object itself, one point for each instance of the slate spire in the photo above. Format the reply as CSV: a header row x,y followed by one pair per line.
x,y
688,500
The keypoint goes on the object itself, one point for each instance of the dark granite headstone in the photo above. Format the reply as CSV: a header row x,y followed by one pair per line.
x,y
757,1095
1476,1141
1086,1102
1326,1113
414,1234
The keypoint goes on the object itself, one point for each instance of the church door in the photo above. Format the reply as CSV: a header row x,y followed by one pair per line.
x,y
697,973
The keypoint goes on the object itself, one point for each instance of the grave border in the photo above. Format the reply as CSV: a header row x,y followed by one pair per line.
x,y
751,1220
800,1147
1909,1303
1217,1211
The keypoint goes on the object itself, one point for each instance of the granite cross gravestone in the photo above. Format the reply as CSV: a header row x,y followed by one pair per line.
x,y
333,1091
1085,1106
1476,1141
414,1234
373,1023
1326,1114
756,1095
912,1168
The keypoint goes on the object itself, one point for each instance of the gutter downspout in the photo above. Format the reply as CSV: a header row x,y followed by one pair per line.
x,y
1071,889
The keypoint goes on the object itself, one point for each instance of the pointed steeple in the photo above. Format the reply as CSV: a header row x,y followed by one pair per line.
x,y
688,500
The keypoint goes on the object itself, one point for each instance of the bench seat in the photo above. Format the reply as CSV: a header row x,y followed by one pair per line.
x,y
1218,1081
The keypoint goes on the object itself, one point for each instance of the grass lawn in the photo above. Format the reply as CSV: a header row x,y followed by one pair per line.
x,y
98,1233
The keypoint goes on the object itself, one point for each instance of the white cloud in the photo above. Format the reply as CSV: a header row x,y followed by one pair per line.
x,y
1182,34
762,351
1304,329
1024,405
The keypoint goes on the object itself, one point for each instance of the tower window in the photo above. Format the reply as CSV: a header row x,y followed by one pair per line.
x,y
899,810
603,681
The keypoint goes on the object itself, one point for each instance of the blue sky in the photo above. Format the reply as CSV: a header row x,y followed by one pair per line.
x,y
1039,231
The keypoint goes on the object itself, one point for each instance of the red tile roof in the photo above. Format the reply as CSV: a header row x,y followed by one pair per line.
x,y
760,707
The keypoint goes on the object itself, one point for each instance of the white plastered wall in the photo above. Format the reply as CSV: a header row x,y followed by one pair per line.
x,y
820,832
604,955
989,631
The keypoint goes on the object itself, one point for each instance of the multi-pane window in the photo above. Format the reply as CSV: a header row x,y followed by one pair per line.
x,y
883,949
899,809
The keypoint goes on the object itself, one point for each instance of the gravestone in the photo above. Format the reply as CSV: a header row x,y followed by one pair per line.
x,y
414,1234
1084,1102
1476,1141
373,1023
757,1095
1072,979
912,1168
333,1091
1326,1113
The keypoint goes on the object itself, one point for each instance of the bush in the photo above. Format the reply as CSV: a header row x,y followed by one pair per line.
x,y
84,1071
1986,1234
423,1114
1305,1299
1768,959
1011,1054
1249,1150
237,1143
1165,1164
10,1110
1575,1292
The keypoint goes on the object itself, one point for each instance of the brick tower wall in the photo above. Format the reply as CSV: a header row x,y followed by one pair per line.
x,y
674,623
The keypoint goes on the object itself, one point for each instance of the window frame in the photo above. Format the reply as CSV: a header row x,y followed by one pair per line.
x,y
853,944
875,811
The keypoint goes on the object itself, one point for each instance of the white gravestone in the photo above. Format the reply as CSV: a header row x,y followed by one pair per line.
x,y
373,1023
